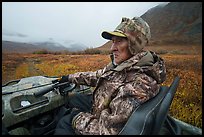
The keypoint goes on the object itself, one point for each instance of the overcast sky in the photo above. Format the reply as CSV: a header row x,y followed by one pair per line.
x,y
81,22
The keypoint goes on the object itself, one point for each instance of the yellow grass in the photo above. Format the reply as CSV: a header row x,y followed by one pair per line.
x,y
22,71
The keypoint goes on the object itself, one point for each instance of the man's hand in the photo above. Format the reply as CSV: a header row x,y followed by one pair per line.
x,y
64,79
61,79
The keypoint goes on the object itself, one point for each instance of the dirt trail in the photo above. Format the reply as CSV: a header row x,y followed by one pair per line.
x,y
10,74
32,70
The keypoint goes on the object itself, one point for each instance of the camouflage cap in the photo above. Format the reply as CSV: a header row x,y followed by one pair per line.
x,y
136,30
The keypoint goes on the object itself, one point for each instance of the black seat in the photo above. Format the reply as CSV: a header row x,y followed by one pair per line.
x,y
148,118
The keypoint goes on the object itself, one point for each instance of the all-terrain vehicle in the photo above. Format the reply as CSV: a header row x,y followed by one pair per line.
x,y
34,105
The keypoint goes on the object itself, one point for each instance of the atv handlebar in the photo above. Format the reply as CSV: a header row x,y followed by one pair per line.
x,y
43,91
51,87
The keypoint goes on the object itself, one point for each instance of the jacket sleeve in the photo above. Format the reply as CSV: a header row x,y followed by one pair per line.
x,y
86,78
130,95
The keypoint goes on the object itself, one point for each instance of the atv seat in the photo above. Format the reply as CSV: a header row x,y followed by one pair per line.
x,y
148,118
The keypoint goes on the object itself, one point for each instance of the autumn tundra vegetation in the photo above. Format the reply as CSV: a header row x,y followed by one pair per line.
x,y
182,61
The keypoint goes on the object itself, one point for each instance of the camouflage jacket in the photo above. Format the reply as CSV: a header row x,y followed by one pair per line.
x,y
118,91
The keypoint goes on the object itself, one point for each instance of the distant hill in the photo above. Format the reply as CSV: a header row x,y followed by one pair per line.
x,y
173,23
176,22
20,43
25,47
18,47
105,47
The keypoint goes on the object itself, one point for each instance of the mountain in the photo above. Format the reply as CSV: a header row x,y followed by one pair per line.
x,y
176,22
51,46
77,47
173,23
105,47
21,43
18,47
30,47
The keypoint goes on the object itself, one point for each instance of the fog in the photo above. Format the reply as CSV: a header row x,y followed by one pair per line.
x,y
80,22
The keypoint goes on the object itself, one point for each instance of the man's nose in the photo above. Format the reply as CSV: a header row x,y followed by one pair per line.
x,y
113,47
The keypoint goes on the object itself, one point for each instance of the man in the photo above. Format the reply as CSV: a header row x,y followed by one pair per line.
x,y
133,77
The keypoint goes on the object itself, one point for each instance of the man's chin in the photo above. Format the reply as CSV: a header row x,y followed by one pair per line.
x,y
117,62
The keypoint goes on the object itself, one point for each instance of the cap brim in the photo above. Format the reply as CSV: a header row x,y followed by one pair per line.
x,y
109,35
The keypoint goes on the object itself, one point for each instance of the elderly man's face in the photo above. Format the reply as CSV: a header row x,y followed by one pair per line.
x,y
120,50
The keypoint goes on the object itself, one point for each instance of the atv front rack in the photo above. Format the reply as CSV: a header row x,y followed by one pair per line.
x,y
13,111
